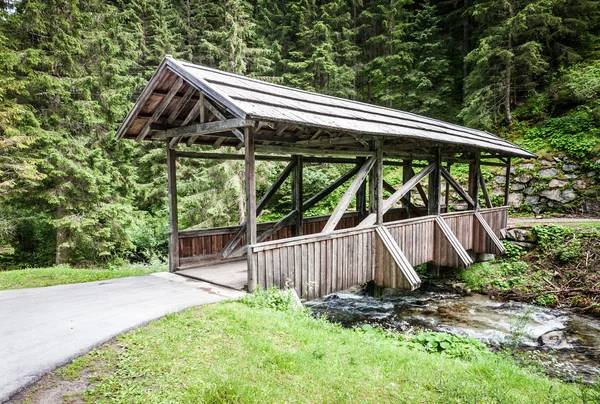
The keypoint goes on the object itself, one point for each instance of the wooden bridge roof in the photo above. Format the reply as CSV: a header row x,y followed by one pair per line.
x,y
291,117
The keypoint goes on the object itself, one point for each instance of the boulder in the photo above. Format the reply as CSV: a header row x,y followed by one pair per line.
x,y
591,174
520,235
557,183
515,200
571,176
517,187
554,340
546,163
579,184
500,179
524,178
498,191
526,166
532,200
526,245
548,172
569,167
559,196
529,190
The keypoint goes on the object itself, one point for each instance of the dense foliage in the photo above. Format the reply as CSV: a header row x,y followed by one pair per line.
x,y
70,70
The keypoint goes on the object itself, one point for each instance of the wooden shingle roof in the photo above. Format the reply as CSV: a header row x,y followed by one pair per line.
x,y
252,99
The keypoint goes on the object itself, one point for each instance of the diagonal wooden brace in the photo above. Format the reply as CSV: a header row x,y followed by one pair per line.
x,y
399,194
348,195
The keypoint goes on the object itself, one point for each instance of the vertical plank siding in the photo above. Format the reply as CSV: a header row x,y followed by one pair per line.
x,y
196,243
316,264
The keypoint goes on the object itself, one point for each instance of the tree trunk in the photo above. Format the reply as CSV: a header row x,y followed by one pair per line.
x,y
507,78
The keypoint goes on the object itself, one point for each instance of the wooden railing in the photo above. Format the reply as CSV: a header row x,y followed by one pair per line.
x,y
196,246
324,263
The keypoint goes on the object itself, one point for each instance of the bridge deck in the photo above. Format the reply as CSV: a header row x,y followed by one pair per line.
x,y
231,274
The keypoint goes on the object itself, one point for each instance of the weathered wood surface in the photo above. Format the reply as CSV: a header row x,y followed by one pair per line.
x,y
197,243
316,265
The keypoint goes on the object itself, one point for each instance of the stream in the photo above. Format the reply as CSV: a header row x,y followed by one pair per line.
x,y
566,344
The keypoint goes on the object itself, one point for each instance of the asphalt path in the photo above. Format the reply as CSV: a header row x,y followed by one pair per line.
x,y
42,329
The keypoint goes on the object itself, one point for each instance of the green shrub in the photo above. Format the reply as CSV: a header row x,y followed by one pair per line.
x,y
455,346
548,300
551,235
513,251
569,252
271,298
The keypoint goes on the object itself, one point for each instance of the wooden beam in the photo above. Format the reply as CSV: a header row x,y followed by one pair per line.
x,y
361,198
454,242
484,191
378,170
464,194
195,111
202,129
421,190
490,233
433,187
250,172
160,109
398,194
199,109
173,214
348,195
406,269
221,117
474,182
406,176
233,241
322,194
507,182
180,105
314,152
297,196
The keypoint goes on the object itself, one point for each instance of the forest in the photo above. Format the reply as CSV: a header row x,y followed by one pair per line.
x,y
527,70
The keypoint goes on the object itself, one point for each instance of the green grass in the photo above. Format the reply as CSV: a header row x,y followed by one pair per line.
x,y
63,274
232,352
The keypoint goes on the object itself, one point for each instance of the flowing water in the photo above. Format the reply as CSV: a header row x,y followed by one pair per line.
x,y
566,344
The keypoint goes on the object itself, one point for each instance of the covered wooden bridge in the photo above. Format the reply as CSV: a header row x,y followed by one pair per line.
x,y
382,239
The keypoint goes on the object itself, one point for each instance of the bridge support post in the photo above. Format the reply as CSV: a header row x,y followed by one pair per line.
x,y
474,181
250,171
173,214
406,176
297,196
433,206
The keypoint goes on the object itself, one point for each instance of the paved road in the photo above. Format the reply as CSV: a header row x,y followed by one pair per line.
x,y
44,328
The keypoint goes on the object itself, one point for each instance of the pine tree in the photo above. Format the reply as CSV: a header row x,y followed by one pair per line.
x,y
511,56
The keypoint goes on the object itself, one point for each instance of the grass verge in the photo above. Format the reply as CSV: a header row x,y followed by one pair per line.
x,y
242,352
64,274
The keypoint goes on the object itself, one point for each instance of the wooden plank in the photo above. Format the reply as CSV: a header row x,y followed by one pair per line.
x,y
378,177
474,181
313,152
457,187
401,192
490,233
173,214
233,242
463,255
250,173
202,129
348,195
209,105
421,191
180,105
486,195
433,206
194,112
297,196
159,109
322,194
507,182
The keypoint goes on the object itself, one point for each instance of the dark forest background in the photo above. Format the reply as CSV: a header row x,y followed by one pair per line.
x,y
528,70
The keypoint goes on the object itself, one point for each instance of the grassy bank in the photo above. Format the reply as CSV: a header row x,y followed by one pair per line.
x,y
63,274
243,352
563,269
